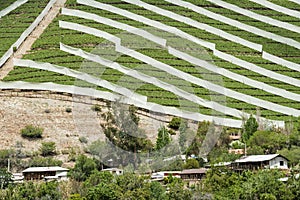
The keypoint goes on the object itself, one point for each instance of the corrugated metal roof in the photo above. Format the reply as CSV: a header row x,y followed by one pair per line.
x,y
194,171
256,158
45,169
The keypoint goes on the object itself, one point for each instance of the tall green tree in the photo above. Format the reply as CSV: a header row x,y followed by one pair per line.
x,y
83,168
5,178
250,127
163,138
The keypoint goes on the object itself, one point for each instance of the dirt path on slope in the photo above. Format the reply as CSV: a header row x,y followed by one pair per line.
x,y
26,45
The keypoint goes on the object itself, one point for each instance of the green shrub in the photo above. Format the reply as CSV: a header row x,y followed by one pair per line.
x,y
83,139
48,148
68,110
31,131
96,108
175,123
171,132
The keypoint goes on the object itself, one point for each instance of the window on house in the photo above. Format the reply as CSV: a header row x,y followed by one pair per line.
x,y
281,163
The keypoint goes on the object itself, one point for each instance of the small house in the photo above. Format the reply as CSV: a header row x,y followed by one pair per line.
x,y
193,174
255,162
43,173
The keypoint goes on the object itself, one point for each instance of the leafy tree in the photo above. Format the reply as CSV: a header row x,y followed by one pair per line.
x,y
191,164
196,144
48,190
5,178
177,191
163,138
103,192
48,148
157,191
250,127
32,132
84,167
98,177
122,131
269,141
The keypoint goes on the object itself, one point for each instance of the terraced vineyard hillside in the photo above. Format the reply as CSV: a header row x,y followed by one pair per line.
x,y
215,60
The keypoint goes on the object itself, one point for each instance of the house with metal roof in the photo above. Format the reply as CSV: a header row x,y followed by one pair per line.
x,y
255,162
193,175
43,173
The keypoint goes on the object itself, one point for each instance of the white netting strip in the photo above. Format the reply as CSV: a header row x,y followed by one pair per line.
x,y
6,56
147,21
191,97
295,1
219,54
197,81
208,85
232,22
34,24
280,61
197,24
191,59
113,97
278,8
82,76
256,16
26,33
115,24
257,69
234,76
12,7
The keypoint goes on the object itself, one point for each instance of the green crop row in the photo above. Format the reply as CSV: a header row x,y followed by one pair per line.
x,y
46,50
16,22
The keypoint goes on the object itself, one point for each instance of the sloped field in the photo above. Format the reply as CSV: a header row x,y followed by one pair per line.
x,y
198,56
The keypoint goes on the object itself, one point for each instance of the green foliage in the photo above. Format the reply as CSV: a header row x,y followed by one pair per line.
x,y
191,164
163,138
103,192
248,185
177,191
49,190
269,141
221,154
250,127
157,191
5,178
83,139
175,123
33,191
43,162
48,148
83,168
255,150
97,177
122,131
237,145
96,108
32,132
68,110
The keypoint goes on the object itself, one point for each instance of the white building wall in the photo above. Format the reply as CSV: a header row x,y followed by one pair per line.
x,y
275,163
